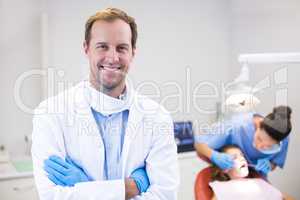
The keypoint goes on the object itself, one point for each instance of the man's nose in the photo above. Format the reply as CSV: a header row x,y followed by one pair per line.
x,y
112,56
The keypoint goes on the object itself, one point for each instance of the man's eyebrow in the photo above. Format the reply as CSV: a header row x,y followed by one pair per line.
x,y
101,43
121,44
124,44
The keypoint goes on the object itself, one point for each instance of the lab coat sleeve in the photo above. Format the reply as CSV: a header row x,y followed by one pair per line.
x,y
48,140
162,163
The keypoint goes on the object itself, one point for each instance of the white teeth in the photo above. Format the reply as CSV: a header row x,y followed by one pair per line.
x,y
110,68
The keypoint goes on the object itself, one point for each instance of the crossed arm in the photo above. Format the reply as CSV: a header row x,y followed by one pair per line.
x,y
67,173
53,185
163,173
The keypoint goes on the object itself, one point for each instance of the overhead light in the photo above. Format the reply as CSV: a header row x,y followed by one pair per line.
x,y
241,96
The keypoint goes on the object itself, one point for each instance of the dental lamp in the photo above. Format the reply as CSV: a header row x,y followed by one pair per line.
x,y
241,96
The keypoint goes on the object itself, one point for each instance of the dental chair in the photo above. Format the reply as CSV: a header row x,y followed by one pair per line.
x,y
201,188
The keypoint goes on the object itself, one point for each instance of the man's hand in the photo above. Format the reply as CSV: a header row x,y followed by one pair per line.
x,y
137,183
131,189
68,173
64,172
141,179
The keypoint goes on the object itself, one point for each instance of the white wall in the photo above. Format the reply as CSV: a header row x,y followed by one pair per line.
x,y
271,26
19,52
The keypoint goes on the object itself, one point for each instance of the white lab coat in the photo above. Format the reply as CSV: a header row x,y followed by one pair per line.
x,y
64,125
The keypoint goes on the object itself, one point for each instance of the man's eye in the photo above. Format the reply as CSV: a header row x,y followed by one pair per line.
x,y
122,48
101,47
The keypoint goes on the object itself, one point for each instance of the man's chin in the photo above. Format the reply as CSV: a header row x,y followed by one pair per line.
x,y
109,86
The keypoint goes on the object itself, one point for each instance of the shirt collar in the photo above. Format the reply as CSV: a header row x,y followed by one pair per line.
x,y
106,104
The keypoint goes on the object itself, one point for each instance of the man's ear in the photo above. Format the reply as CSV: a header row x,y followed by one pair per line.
x,y
85,47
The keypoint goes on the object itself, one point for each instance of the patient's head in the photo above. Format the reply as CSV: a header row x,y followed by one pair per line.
x,y
240,168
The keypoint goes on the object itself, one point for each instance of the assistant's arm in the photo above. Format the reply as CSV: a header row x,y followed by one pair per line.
x,y
203,151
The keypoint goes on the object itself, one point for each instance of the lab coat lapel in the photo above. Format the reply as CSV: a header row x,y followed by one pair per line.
x,y
134,126
91,145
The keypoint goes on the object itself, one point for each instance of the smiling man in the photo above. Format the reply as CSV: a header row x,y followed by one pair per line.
x,y
110,50
106,141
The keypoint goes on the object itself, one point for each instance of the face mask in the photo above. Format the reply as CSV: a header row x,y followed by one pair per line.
x,y
272,150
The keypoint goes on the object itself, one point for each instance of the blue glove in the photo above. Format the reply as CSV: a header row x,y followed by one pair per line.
x,y
263,165
141,179
222,160
64,172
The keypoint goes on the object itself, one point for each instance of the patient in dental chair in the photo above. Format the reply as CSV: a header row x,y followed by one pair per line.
x,y
242,182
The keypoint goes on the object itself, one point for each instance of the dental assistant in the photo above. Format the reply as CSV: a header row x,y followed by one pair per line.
x,y
263,140
101,139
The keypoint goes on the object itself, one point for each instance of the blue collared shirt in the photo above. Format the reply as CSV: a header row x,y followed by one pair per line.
x,y
112,129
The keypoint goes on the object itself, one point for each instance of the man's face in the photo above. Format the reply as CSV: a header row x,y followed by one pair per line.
x,y
110,53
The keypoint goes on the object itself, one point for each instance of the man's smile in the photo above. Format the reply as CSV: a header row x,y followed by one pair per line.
x,y
111,68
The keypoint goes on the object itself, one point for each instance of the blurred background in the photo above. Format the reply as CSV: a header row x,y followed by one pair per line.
x,y
187,51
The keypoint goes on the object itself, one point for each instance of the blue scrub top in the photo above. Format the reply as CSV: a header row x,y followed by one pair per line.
x,y
240,131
